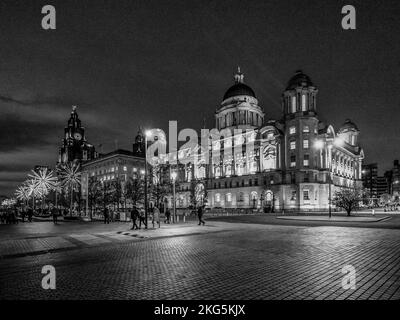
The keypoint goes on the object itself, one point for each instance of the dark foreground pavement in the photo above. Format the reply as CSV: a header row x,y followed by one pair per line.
x,y
219,261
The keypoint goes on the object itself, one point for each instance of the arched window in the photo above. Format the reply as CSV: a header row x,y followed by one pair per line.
x,y
303,103
293,104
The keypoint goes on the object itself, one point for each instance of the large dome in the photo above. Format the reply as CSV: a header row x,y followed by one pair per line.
x,y
239,89
300,79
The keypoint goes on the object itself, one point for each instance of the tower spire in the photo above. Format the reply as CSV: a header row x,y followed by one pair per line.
x,y
239,76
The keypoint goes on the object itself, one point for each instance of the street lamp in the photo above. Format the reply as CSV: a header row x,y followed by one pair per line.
x,y
147,134
319,145
173,177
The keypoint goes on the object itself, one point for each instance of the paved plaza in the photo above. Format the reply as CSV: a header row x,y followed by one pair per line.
x,y
228,258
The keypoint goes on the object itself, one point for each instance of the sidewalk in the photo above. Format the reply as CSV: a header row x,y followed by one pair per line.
x,y
91,234
335,218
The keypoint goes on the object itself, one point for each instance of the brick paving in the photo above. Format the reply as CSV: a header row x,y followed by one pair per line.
x,y
219,261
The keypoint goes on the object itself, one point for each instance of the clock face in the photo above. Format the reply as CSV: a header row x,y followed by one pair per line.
x,y
77,136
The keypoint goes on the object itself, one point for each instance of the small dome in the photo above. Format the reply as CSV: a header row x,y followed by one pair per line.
x,y
239,89
348,125
300,79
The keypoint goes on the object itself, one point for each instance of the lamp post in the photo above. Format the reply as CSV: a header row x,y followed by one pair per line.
x,y
146,135
319,145
173,177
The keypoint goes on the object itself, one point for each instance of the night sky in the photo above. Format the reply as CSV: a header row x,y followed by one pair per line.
x,y
131,63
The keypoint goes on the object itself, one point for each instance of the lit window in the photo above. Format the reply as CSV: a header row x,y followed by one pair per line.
x,y
125,168
303,103
293,104
112,169
292,145
292,130
305,143
229,197
217,197
270,135
306,160
134,169
306,195
293,161
306,129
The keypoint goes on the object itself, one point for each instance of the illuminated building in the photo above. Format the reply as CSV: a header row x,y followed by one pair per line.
x,y
288,168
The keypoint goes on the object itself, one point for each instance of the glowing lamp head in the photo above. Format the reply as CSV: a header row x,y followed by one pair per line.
x,y
319,144
173,175
148,133
338,142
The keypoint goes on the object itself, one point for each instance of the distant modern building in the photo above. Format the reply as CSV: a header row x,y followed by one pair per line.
x,y
393,178
291,163
369,176
382,186
374,184
75,147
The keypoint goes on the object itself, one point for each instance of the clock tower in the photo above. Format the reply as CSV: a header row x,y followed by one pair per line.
x,y
75,147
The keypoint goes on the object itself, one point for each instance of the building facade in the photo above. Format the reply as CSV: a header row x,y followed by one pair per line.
x,y
114,167
270,165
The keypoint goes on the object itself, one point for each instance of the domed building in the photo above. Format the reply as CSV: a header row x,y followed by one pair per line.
x,y
254,163
239,107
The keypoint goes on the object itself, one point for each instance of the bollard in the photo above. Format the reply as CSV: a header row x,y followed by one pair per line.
x,y
184,219
177,218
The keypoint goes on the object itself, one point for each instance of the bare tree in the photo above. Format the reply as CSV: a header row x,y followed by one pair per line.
x,y
348,199
135,190
116,192
94,193
106,194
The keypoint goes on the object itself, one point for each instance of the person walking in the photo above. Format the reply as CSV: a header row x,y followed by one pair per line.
x,y
30,214
167,216
106,216
142,219
134,217
156,216
14,213
54,213
200,213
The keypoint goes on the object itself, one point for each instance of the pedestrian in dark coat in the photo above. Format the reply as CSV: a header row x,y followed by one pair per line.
x,y
54,213
167,216
106,216
15,216
142,219
134,217
200,212
30,214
